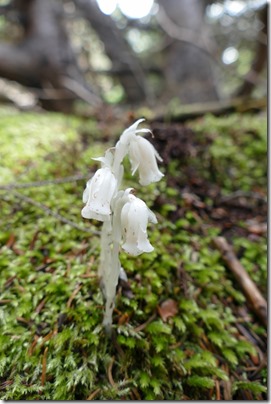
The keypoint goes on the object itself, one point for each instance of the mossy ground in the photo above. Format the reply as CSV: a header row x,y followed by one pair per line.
x,y
207,344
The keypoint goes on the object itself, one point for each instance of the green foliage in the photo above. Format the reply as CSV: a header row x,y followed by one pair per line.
x,y
254,260
52,344
254,387
201,382
236,157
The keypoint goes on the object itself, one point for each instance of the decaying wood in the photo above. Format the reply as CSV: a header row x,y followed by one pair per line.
x,y
252,293
217,108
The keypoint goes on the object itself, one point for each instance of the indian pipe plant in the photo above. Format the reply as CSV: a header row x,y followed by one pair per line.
x,y
125,217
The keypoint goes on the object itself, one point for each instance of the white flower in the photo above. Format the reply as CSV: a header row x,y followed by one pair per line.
x,y
141,153
121,148
143,157
98,194
131,132
134,219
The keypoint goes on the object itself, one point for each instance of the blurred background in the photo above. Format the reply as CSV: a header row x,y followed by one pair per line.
x,y
61,54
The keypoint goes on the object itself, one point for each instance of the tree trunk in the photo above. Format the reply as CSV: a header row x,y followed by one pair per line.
x,y
188,66
259,62
44,59
117,49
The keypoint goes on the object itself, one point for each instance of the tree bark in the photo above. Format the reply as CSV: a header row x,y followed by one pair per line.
x,y
259,62
44,59
188,66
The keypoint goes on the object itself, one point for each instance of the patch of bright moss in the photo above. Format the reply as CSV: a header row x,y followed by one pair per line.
x,y
236,157
52,344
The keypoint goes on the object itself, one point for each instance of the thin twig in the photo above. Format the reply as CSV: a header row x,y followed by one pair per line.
x,y
81,91
252,293
136,393
258,369
217,390
40,306
33,345
48,336
144,325
74,293
93,394
45,182
54,214
44,361
5,384
109,372
5,301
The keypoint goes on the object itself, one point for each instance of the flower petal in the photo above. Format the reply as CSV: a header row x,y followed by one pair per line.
x,y
143,157
100,191
134,220
86,192
129,132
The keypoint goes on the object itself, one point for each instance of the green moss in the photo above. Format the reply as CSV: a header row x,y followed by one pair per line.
x,y
236,156
52,344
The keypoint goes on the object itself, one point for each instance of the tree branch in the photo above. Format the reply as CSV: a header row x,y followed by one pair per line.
x,y
117,49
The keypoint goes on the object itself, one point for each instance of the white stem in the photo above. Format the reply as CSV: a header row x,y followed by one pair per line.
x,y
109,269
105,255
111,281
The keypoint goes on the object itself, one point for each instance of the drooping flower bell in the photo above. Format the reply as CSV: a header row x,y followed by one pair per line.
x,y
143,157
142,154
98,194
135,216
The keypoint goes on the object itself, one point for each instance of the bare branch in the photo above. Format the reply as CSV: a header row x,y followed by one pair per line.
x,y
183,34
35,184
81,91
50,212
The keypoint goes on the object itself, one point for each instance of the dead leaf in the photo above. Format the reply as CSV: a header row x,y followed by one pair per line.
x,y
167,309
259,229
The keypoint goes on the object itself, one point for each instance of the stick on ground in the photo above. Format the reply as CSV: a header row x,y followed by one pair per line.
x,y
252,293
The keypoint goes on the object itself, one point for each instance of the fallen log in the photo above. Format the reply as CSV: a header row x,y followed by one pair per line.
x,y
183,113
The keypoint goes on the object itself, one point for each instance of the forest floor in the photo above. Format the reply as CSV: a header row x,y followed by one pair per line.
x,y
184,328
